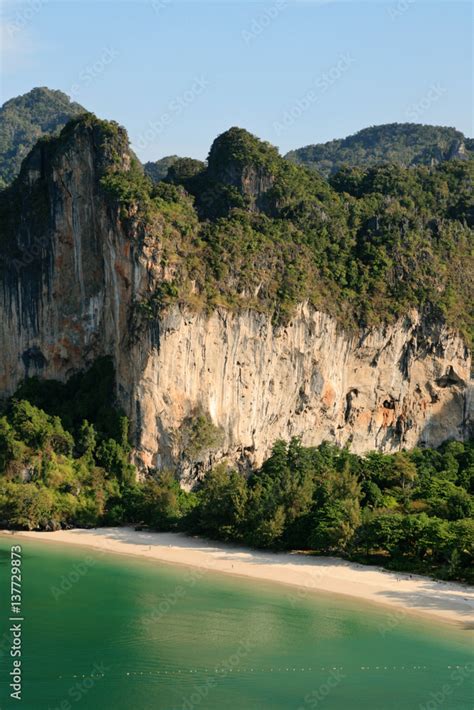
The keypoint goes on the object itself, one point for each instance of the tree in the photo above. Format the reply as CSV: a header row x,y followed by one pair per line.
x,y
29,506
463,539
222,500
382,532
161,502
404,471
112,457
459,504
270,530
10,448
87,440
198,435
38,429
182,169
336,513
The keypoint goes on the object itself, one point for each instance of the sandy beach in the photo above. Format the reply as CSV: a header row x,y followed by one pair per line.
x,y
411,593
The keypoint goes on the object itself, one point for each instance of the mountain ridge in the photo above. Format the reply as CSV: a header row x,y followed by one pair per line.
x,y
405,144
26,118
44,111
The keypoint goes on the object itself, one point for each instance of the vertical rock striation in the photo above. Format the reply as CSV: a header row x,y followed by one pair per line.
x,y
385,389
72,274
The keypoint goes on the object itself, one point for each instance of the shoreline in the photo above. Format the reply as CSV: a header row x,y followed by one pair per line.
x,y
413,594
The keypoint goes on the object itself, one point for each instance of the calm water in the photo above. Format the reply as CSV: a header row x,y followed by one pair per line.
x,y
133,635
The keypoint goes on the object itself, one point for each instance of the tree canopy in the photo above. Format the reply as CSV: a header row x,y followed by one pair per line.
x,y
65,460
405,144
25,119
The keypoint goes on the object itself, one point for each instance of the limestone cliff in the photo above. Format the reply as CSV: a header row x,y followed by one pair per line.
x,y
73,271
380,389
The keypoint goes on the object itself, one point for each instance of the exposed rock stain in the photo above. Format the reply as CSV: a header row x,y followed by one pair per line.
x,y
382,388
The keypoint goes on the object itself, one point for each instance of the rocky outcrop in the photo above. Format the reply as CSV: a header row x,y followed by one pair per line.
x,y
70,284
384,389
66,266
457,151
232,163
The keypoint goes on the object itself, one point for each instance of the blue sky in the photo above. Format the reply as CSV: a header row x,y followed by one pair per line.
x,y
176,74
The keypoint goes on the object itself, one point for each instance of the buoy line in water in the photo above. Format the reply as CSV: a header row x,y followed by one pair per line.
x,y
218,671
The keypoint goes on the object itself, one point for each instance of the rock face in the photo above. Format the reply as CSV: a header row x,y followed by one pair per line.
x,y
251,181
383,389
69,284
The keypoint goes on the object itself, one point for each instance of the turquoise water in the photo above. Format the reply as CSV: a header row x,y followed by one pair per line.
x,y
115,632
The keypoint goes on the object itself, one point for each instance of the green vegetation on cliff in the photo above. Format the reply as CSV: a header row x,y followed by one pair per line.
x,y
250,229
64,461
64,453
405,144
25,119
158,169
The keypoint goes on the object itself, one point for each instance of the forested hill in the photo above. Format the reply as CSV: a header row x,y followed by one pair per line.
x,y
405,144
251,229
25,119
157,170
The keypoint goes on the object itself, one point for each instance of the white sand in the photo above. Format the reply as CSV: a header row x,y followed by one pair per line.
x,y
410,593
